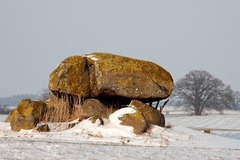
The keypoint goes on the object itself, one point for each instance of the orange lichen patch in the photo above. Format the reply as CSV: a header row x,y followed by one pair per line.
x,y
71,77
136,120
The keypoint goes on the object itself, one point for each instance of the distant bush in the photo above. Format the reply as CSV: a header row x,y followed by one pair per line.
x,y
4,109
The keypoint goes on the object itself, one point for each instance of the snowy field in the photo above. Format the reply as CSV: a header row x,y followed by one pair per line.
x,y
184,140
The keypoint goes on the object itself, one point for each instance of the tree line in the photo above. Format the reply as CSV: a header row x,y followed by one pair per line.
x,y
15,99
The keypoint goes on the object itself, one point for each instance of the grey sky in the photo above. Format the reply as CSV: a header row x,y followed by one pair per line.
x,y
35,36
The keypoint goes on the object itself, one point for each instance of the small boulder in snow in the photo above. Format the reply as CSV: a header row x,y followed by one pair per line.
x,y
130,116
93,107
152,115
27,114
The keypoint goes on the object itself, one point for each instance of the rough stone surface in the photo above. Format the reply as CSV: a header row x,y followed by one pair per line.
x,y
10,116
152,115
104,74
93,107
27,114
136,120
93,119
43,128
71,125
71,76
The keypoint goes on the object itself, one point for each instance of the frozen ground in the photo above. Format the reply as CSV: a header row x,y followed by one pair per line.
x,y
112,141
227,124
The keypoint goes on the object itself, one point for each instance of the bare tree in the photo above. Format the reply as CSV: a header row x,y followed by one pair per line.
x,y
4,109
199,90
236,104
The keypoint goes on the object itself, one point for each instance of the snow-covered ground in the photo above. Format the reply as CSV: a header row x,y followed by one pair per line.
x,y
226,124
184,140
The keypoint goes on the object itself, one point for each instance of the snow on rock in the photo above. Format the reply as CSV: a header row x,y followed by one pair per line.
x,y
57,66
92,57
111,127
114,118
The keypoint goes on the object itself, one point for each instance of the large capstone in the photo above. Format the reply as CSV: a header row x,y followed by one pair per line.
x,y
104,75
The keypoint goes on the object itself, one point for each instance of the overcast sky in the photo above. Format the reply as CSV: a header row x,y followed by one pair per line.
x,y
180,36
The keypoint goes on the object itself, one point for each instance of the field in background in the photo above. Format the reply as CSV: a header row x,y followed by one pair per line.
x,y
225,124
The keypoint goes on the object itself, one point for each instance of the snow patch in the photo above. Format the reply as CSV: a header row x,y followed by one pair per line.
x,y
114,117
92,57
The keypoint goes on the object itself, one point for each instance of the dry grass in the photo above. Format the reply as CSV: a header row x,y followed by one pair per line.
x,y
207,131
110,110
67,108
168,126
60,110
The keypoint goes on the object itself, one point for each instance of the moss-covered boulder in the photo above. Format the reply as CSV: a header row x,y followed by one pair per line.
x,y
109,75
93,107
27,114
152,115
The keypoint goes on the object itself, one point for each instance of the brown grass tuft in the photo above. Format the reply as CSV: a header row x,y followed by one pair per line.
x,y
168,126
60,110
207,131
